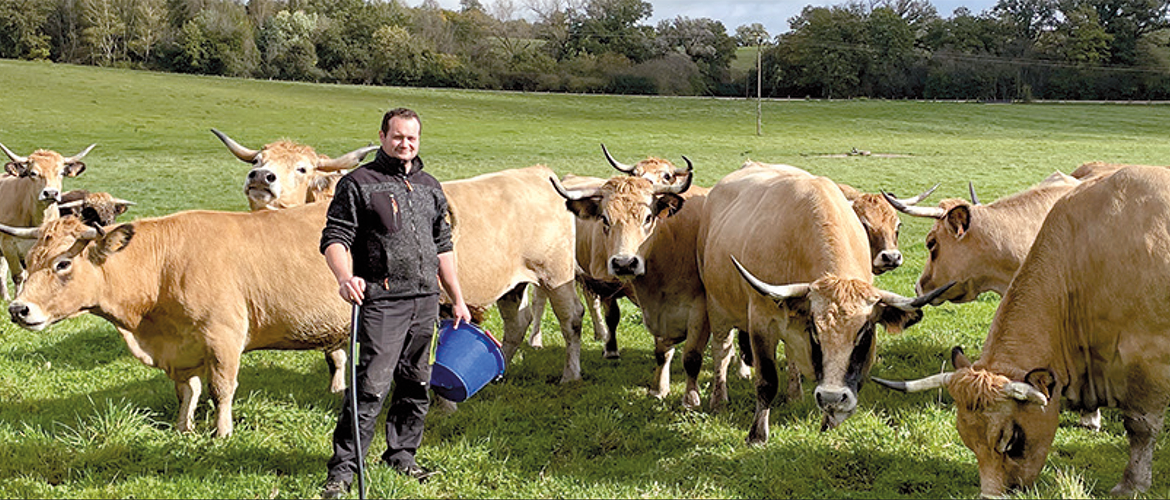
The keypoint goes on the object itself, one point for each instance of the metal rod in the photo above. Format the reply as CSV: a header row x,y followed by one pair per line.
x,y
353,406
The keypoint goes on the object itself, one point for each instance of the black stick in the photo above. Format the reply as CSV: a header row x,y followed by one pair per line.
x,y
353,407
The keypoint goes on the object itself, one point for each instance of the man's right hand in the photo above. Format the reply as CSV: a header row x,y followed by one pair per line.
x,y
353,290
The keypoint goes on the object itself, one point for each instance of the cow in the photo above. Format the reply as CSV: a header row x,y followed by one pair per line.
x,y
287,174
95,209
783,257
601,289
1084,319
191,291
647,240
510,230
29,190
978,246
879,219
1093,169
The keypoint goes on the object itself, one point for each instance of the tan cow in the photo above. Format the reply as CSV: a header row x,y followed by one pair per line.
x,y
287,174
877,216
815,292
510,229
600,288
1093,169
1085,319
979,247
191,291
29,190
648,241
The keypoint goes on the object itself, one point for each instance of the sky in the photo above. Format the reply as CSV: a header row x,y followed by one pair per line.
x,y
773,14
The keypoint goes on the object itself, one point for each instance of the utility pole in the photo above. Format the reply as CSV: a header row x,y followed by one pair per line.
x,y
759,81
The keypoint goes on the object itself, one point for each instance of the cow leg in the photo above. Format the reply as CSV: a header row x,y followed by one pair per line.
x,y
721,356
336,359
795,379
1142,429
663,354
613,316
593,305
767,385
515,322
1091,420
539,299
569,311
222,380
4,295
188,391
698,336
12,264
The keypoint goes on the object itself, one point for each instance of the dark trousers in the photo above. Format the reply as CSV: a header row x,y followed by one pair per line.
x,y
395,339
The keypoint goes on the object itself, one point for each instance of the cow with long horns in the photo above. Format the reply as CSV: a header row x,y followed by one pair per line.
x,y
1084,319
29,192
784,258
601,290
287,174
648,240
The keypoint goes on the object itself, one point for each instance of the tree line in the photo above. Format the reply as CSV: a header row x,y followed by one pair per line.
x,y
1020,49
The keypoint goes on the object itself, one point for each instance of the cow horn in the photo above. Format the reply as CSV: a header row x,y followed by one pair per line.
x,y
1022,391
776,292
348,160
91,233
28,233
932,212
244,154
923,384
908,304
119,201
971,189
77,157
915,200
69,205
13,156
575,194
620,166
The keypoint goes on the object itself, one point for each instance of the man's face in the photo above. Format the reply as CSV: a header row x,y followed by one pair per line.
x,y
401,141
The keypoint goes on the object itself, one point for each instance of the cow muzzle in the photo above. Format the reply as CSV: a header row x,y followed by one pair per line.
x,y
887,260
626,265
50,195
836,403
27,316
263,185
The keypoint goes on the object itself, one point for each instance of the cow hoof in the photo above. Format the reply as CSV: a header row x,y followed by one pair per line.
x,y
1091,421
690,401
659,395
612,355
1123,489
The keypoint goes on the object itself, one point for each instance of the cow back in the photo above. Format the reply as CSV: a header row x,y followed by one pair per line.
x,y
509,227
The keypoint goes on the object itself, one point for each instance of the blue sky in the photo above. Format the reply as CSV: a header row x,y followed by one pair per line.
x,y
773,14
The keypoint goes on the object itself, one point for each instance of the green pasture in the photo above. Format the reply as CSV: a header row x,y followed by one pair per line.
x,y
81,418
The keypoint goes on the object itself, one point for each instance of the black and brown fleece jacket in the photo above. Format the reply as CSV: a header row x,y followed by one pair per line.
x,y
394,224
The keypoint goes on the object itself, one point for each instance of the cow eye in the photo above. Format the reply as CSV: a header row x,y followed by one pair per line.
x,y
668,178
932,247
302,170
1011,442
649,219
62,265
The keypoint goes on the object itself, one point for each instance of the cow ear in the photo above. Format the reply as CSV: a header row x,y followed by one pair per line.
x,y
1043,380
895,320
13,168
585,208
113,242
668,205
958,220
74,169
958,359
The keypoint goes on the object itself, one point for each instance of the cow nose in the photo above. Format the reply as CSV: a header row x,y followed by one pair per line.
x,y
51,194
625,265
261,175
838,399
18,311
890,259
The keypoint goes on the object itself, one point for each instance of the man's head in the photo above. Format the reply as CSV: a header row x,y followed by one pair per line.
x,y
400,133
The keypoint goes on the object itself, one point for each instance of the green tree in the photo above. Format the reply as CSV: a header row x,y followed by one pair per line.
x,y
23,26
1127,21
829,50
751,35
890,40
219,40
102,30
704,41
1080,39
612,26
287,48
147,27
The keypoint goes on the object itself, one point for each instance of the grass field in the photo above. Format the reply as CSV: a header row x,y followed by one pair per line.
x,y
81,418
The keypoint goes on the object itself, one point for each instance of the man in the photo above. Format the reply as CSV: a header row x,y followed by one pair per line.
x,y
385,240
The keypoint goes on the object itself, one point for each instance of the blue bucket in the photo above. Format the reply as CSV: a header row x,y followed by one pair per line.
x,y
465,361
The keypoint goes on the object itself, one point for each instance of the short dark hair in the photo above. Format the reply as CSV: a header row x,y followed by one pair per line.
x,y
406,113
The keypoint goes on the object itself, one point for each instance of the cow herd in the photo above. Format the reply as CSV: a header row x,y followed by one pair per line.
x,y
769,254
